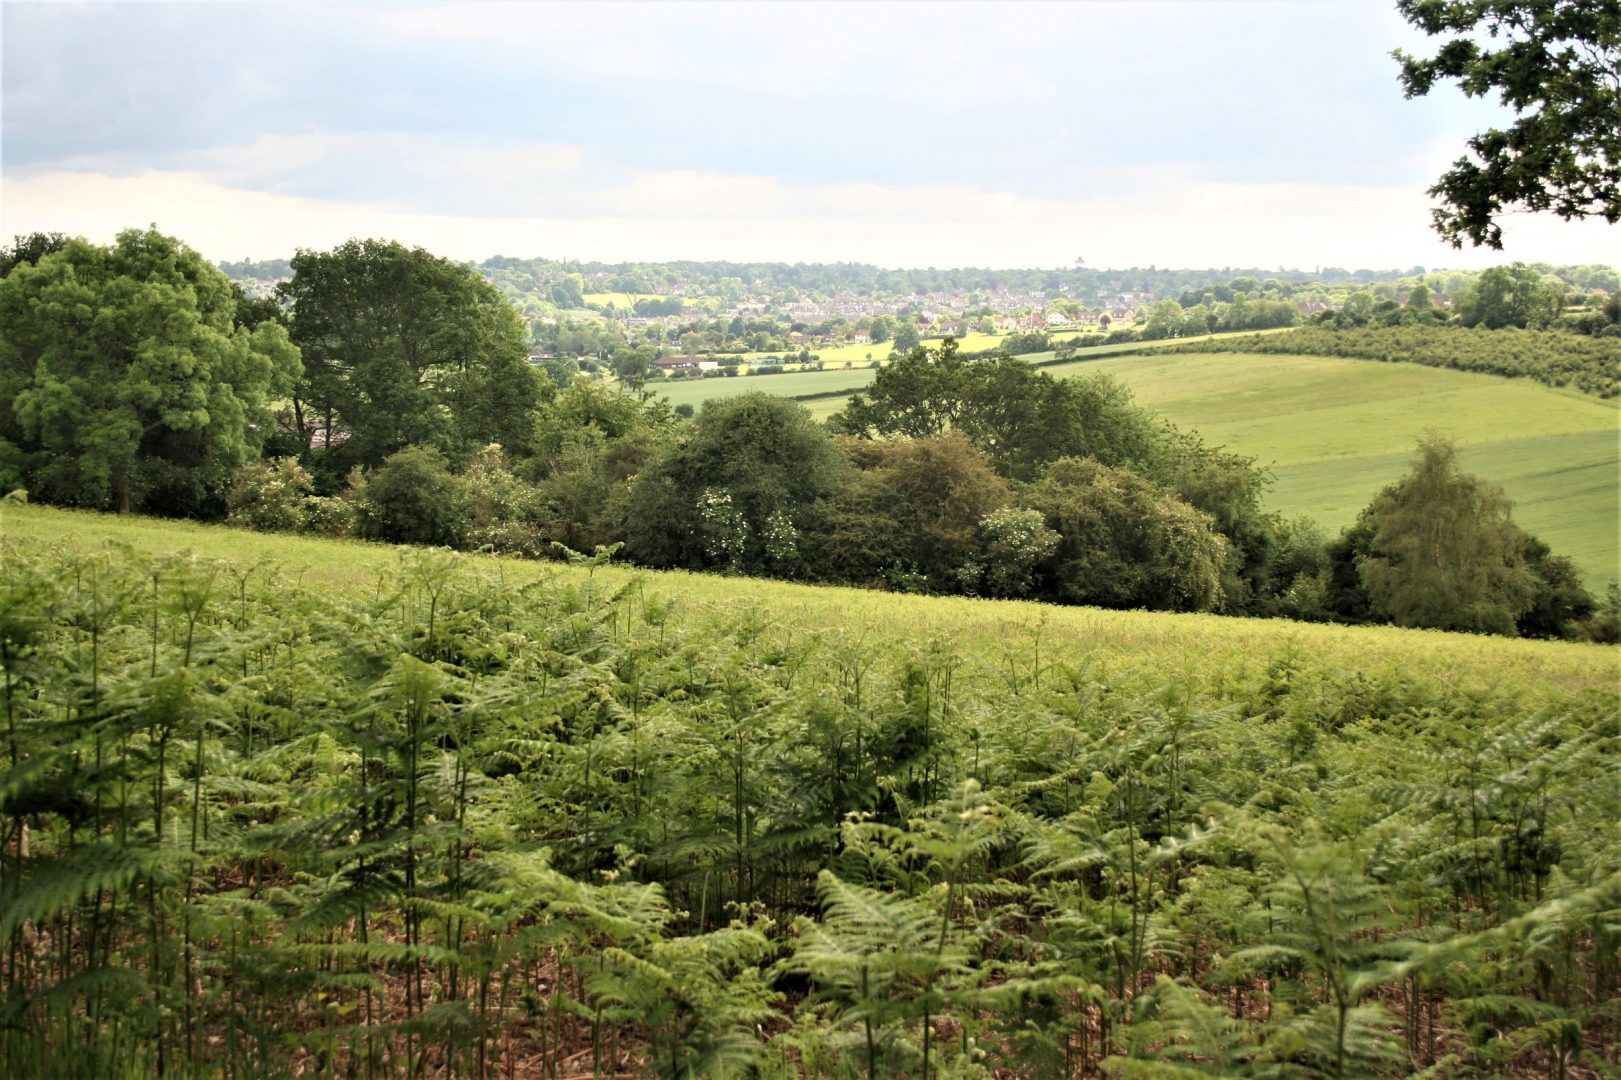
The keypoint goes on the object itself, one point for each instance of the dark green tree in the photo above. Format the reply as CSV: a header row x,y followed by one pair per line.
x,y
914,509
1443,551
125,381
1554,63
750,478
413,499
29,248
1125,542
1508,296
402,347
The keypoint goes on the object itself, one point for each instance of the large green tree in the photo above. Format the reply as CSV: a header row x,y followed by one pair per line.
x,y
1555,64
125,381
1442,552
912,514
402,347
1508,296
1125,541
738,491
1018,417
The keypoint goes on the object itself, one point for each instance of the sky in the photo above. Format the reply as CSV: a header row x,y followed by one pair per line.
x,y
1205,133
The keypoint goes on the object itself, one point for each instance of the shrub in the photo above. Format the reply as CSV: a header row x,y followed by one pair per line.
x,y
328,515
269,495
413,499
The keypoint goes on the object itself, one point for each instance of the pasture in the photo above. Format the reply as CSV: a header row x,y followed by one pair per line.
x,y
1334,432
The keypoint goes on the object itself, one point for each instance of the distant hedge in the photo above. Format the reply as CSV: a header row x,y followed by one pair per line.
x,y
1589,364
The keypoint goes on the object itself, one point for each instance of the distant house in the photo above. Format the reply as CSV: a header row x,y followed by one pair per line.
x,y
677,363
860,337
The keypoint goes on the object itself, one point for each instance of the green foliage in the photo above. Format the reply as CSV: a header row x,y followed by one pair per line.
x,y
1554,65
914,508
1508,296
269,495
750,477
413,499
1125,542
127,385
402,347
1018,417
1443,551
435,814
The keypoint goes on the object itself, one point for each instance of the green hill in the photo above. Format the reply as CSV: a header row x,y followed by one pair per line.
x,y
1335,431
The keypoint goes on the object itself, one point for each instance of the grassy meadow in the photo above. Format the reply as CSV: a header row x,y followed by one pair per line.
x,y
1334,432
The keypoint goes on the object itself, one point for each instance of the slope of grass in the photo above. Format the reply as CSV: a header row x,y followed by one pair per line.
x,y
1335,431
1174,646
791,384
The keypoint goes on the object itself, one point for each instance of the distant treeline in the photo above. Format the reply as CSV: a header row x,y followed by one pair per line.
x,y
1589,364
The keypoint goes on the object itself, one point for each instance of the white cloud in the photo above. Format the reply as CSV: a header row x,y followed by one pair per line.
x,y
687,215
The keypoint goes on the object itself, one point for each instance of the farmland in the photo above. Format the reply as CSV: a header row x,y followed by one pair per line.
x,y
1335,431
347,809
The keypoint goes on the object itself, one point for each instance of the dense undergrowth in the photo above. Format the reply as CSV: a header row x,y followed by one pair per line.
x,y
1556,358
476,818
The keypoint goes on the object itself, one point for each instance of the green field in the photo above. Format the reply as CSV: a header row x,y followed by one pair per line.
x,y
1334,432
621,301
787,384
1148,641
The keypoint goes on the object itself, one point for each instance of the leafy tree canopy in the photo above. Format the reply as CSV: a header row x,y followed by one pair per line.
x,y
1126,542
1508,296
126,382
402,347
1555,63
753,473
1442,551
1018,417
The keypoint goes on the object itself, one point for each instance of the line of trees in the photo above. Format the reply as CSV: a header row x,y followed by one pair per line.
x,y
1589,364
385,392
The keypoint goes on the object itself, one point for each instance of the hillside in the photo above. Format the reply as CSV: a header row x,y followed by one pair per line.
x,y
1149,641
1335,431
355,806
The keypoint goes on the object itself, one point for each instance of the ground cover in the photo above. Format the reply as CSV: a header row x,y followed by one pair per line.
x,y
345,809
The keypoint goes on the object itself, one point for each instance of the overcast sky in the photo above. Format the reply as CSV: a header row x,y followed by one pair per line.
x,y
1192,134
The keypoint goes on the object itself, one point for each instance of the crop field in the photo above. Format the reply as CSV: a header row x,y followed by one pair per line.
x,y
621,301
345,810
1336,431
785,384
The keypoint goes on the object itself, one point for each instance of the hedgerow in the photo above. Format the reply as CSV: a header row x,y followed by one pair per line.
x,y
1589,364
